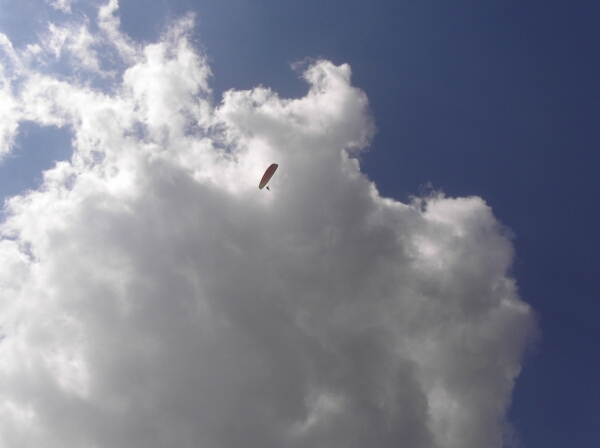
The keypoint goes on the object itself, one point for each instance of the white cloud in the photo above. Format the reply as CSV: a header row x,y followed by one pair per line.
x,y
78,42
61,5
33,83
109,23
9,119
152,296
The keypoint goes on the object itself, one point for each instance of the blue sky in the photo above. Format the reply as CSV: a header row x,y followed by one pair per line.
x,y
491,99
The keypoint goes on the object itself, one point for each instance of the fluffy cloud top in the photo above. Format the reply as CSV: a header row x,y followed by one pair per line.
x,y
152,296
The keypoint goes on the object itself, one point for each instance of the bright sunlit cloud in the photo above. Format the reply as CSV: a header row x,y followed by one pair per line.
x,y
152,295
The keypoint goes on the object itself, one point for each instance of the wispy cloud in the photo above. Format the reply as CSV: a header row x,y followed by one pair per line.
x,y
152,296
61,5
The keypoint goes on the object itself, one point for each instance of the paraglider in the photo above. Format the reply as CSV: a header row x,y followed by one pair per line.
x,y
267,176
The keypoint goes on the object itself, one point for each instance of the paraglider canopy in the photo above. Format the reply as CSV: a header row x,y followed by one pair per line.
x,y
267,176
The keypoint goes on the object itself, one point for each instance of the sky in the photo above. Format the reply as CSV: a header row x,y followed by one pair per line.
x,y
422,272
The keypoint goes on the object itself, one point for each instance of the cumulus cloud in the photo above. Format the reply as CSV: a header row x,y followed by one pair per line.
x,y
152,296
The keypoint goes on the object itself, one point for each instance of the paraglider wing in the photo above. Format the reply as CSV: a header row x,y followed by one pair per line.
x,y
267,176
